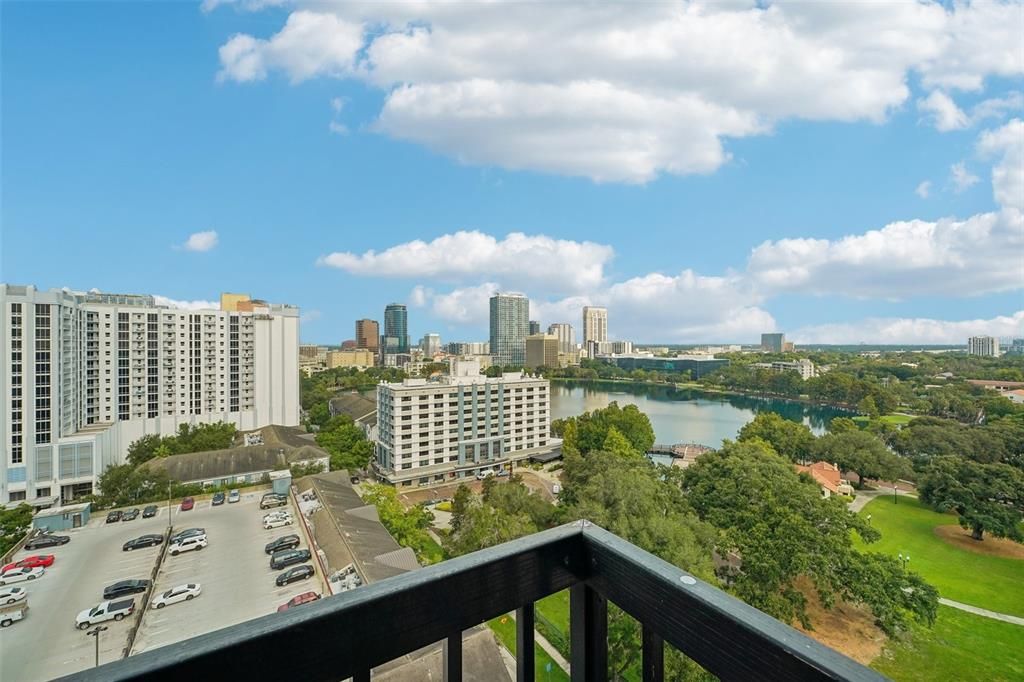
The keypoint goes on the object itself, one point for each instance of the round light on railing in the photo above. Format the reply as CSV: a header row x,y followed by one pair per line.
x,y
688,580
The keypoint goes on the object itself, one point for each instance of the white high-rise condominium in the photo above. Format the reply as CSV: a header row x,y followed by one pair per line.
x,y
460,426
430,344
987,346
595,326
510,325
84,375
566,337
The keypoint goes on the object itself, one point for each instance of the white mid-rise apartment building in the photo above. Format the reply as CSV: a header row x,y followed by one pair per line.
x,y
985,346
460,426
85,375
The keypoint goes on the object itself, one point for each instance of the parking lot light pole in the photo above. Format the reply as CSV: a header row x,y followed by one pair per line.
x,y
168,507
95,632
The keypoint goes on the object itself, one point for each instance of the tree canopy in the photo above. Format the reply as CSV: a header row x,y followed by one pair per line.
x,y
863,453
987,497
188,438
589,431
346,443
14,523
788,438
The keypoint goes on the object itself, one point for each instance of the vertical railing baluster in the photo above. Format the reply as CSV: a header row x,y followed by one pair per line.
x,y
588,625
524,643
452,657
361,675
653,656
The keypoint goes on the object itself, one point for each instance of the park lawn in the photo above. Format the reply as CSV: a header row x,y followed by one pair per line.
x,y
432,552
960,646
990,582
895,419
506,632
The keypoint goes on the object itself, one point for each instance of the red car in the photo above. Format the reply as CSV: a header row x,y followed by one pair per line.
x,y
44,560
187,504
304,598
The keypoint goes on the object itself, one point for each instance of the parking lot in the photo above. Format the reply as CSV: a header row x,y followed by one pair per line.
x,y
46,643
234,572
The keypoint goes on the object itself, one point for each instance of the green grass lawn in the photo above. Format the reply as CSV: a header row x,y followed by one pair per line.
x,y
990,582
506,633
897,419
960,646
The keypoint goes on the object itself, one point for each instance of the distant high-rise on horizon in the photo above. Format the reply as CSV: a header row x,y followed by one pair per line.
x,y
773,343
534,327
510,325
396,329
985,346
566,336
430,344
541,351
595,326
367,334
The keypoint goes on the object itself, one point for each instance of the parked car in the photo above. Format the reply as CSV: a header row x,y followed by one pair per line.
x,y
278,514
556,489
194,543
44,560
9,595
287,557
123,588
114,516
273,500
484,474
176,594
47,540
142,541
276,521
298,600
283,542
187,504
130,515
17,575
187,533
106,610
218,499
233,497
12,613
293,574
149,512
503,472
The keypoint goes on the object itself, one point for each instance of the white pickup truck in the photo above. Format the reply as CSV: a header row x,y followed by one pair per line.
x,y
105,610
12,612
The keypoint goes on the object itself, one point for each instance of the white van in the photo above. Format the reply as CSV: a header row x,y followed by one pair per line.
x,y
196,542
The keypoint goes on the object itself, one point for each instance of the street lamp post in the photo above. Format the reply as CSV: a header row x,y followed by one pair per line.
x,y
904,559
168,507
895,500
95,632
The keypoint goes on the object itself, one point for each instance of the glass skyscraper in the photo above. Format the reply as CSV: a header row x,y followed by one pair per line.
x,y
396,329
510,325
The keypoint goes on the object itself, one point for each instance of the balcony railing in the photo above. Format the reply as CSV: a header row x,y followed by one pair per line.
x,y
349,634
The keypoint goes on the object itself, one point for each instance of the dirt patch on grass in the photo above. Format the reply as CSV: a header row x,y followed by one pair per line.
x,y
846,628
990,546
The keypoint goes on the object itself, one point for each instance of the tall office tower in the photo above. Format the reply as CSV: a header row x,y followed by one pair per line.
x,y
85,375
501,420
541,351
986,346
430,344
534,327
396,329
510,324
566,336
773,343
595,327
368,334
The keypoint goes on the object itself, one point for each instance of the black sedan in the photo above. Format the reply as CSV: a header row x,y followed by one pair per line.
x,y
47,541
283,542
294,574
130,515
142,541
125,587
149,512
114,516
187,533
218,499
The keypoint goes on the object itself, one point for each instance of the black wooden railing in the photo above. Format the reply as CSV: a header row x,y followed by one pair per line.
x,y
349,634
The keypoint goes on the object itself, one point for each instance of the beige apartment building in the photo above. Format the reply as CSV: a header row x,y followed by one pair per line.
x,y
541,351
359,358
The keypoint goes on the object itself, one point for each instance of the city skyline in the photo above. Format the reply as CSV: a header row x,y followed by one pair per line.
x,y
872,204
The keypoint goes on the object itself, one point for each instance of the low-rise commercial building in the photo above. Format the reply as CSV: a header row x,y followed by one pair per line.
x,y
460,425
804,367
358,358
697,366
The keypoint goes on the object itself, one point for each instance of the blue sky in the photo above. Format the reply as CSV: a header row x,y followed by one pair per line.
x,y
699,200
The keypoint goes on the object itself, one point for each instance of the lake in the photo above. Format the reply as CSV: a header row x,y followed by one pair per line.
x,y
684,415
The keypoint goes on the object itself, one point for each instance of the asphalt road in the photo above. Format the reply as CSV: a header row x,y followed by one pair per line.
x,y
235,575
46,643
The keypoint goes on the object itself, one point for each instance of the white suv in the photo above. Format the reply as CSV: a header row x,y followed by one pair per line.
x,y
196,542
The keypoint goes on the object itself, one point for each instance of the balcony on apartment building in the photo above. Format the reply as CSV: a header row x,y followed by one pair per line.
x,y
348,635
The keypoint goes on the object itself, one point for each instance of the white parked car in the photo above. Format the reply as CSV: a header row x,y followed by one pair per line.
x,y
176,594
276,521
16,575
233,496
194,543
9,595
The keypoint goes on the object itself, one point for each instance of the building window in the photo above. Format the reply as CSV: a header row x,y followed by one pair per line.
x,y
16,495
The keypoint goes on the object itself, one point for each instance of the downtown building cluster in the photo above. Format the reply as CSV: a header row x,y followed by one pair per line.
x,y
86,374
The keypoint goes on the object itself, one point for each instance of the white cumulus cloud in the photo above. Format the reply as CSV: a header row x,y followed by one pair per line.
x,y
201,241
961,178
187,305
943,111
910,330
559,264
923,189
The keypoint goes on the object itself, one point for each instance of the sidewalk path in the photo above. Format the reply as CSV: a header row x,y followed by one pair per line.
x,y
982,612
548,647
865,496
